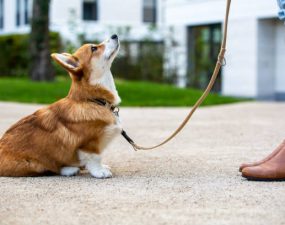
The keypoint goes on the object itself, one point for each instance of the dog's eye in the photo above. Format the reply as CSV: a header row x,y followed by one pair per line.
x,y
93,48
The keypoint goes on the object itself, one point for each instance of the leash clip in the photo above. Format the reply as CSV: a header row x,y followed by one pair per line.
x,y
224,63
221,58
116,111
131,142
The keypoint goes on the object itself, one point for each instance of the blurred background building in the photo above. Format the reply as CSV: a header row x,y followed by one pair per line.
x,y
256,46
95,19
175,41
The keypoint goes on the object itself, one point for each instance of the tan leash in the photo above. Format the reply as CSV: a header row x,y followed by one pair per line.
x,y
218,66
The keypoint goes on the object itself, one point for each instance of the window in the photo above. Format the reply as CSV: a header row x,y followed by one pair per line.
x,y
90,10
203,47
149,11
1,14
22,12
18,12
26,12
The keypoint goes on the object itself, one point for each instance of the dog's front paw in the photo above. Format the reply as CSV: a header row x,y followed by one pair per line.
x,y
101,172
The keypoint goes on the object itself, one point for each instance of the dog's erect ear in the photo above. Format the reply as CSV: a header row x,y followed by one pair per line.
x,y
67,61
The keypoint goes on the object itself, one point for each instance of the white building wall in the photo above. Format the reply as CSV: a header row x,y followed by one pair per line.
x,y
65,17
241,75
129,12
266,58
9,24
280,60
194,12
60,11
10,18
176,54
113,16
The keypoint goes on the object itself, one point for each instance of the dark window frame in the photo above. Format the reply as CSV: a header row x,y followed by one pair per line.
x,y
18,13
1,14
90,10
26,12
150,12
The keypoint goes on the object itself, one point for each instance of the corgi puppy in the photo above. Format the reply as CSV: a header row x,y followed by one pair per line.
x,y
72,132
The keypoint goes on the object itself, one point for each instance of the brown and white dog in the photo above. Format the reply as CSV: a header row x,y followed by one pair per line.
x,y
72,132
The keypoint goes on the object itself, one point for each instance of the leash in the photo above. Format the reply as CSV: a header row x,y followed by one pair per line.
x,y
220,62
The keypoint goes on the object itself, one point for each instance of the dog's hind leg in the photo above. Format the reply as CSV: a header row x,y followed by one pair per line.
x,y
20,167
69,171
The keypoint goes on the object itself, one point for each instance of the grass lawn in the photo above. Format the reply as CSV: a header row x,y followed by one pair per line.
x,y
132,93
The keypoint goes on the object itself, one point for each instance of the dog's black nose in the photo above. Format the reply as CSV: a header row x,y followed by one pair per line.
x,y
114,36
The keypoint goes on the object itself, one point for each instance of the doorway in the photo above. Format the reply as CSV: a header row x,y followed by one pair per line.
x,y
203,48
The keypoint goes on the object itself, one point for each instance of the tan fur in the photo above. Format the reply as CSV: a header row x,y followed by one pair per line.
x,y
49,139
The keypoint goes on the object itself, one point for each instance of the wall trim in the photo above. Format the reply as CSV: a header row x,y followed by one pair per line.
x,y
280,96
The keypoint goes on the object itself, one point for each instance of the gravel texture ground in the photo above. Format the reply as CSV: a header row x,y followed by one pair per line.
x,y
192,180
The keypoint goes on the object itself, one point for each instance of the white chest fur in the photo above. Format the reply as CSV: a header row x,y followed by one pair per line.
x,y
107,81
111,131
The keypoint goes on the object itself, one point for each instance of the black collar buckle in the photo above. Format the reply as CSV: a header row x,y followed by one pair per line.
x,y
113,108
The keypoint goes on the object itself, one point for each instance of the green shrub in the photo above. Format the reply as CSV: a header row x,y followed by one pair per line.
x,y
140,61
136,61
14,54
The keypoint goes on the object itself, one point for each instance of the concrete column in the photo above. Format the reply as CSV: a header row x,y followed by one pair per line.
x,y
176,54
266,58
239,78
279,60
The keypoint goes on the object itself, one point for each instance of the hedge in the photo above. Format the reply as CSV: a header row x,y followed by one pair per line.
x,y
136,61
14,53
140,61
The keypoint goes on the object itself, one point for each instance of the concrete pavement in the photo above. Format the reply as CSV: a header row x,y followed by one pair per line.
x,y
192,180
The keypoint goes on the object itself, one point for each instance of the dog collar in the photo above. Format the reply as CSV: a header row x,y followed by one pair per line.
x,y
100,101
